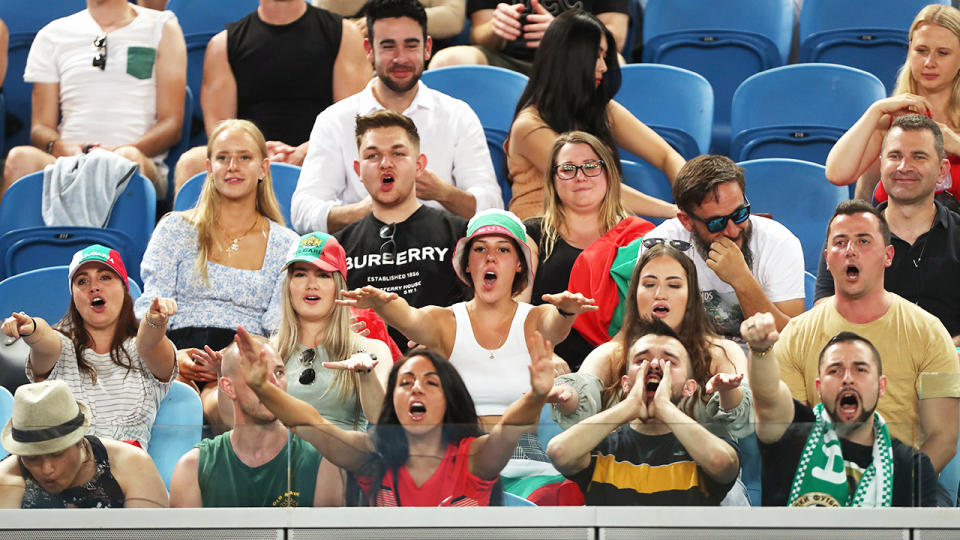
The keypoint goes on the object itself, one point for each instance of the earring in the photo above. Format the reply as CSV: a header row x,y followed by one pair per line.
x,y
259,180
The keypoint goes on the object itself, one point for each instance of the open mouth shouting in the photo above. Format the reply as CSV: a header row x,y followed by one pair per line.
x,y
386,182
418,410
489,279
652,382
852,272
848,405
98,303
661,310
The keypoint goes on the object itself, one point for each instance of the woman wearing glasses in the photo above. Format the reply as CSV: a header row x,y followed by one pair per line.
x,y
582,203
220,260
664,286
340,373
572,89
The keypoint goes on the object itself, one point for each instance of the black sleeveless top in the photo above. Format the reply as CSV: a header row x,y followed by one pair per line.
x,y
284,73
102,491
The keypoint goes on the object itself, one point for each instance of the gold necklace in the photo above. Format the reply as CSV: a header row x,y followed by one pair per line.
x,y
235,243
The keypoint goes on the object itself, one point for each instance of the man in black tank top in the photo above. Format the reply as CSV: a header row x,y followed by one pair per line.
x,y
279,67
54,464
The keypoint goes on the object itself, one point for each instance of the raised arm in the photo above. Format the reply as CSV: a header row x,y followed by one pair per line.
x,y
346,449
772,401
490,453
40,337
157,351
372,365
555,318
430,326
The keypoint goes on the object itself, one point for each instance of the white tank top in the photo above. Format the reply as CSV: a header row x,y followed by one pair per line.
x,y
495,378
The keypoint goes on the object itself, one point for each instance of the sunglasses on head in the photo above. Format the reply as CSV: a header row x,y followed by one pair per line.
x,y
717,224
308,374
676,244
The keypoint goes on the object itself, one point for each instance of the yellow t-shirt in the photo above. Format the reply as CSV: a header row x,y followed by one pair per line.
x,y
918,357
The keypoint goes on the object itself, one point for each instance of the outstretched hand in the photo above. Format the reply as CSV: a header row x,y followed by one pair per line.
x,y
207,358
19,324
366,298
723,381
256,369
759,331
160,311
574,303
541,364
360,362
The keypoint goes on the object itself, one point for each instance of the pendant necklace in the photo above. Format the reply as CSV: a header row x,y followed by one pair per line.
x,y
235,244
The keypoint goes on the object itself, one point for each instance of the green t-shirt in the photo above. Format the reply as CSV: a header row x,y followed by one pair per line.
x,y
225,481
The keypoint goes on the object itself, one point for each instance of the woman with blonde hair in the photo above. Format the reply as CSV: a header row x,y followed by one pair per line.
x,y
581,203
220,260
928,84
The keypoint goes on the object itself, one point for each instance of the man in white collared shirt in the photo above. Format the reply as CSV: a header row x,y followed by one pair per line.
x,y
460,179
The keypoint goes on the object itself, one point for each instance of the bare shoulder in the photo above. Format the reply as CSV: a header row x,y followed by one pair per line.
x,y
11,483
527,121
726,356
125,457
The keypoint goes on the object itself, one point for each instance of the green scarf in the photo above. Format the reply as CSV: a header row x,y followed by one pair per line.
x,y
821,478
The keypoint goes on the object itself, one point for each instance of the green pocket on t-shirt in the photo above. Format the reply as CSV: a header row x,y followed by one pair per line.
x,y
140,61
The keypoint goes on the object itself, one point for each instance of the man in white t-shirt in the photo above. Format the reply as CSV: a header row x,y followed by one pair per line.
x,y
460,179
110,76
745,264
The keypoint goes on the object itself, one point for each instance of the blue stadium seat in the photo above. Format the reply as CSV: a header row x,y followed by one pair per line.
x,y
31,248
674,102
547,429
726,44
284,178
797,194
499,158
509,499
200,20
798,111
3,122
646,178
134,213
176,429
867,34
178,149
809,288
6,411
24,20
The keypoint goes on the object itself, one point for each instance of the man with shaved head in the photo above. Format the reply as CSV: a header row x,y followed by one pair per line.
x,y
248,465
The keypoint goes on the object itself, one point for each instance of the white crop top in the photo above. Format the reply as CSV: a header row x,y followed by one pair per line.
x,y
494,383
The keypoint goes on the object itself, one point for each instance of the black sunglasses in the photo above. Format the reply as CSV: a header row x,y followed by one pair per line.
x,y
100,60
717,224
390,245
676,244
308,374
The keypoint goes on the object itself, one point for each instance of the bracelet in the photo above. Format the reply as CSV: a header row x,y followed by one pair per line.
x,y
565,313
152,324
372,357
33,331
758,353
50,144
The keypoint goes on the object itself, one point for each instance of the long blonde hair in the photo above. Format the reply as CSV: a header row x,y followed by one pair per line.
x,y
611,209
207,210
949,18
339,341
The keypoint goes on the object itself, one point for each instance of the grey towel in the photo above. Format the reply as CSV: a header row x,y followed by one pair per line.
x,y
80,190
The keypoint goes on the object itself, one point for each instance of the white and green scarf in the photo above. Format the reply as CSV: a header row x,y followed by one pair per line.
x,y
821,478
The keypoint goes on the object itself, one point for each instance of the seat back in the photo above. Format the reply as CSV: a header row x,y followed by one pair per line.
x,y
43,292
284,178
867,34
499,158
809,289
134,212
509,499
798,111
24,20
647,179
674,102
200,20
797,194
39,247
176,429
725,45
6,411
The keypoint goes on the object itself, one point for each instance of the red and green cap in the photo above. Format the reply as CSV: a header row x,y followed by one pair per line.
x,y
101,254
487,222
321,250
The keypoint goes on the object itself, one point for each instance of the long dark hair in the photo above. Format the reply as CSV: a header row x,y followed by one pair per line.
x,y
695,331
73,326
459,420
562,86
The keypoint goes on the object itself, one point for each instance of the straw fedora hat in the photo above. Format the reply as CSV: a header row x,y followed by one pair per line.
x,y
46,419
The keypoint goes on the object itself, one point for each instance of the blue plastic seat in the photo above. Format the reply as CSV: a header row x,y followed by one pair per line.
x,y
809,289
797,194
24,20
38,247
867,34
798,111
6,411
200,20
176,429
674,102
725,44
509,499
283,175
134,213
647,179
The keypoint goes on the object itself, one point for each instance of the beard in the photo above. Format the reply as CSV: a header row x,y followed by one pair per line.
x,y
844,429
398,87
703,246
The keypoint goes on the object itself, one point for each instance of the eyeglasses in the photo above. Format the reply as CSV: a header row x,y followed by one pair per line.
x,y
676,244
100,60
308,374
717,224
568,171
390,245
